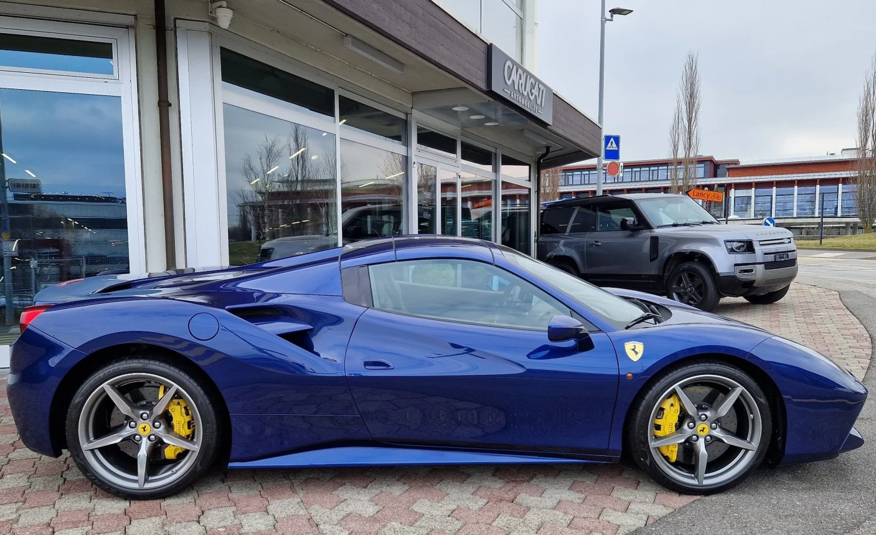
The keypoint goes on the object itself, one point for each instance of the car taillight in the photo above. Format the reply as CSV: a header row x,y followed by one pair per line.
x,y
72,281
30,314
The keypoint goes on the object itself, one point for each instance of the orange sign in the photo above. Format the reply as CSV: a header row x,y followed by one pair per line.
x,y
706,195
613,168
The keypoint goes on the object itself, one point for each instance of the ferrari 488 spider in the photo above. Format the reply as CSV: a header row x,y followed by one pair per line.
x,y
411,350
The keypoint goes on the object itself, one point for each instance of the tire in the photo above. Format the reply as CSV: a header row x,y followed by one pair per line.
x,y
108,450
734,443
693,284
768,298
566,265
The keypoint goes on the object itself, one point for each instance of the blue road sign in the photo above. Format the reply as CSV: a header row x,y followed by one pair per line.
x,y
612,148
769,222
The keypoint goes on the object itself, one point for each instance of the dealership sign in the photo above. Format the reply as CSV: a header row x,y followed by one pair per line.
x,y
517,85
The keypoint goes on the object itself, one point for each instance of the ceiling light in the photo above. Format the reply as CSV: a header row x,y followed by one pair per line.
x,y
297,153
273,169
491,123
455,108
254,181
314,157
476,117
366,184
343,121
395,175
373,54
28,172
324,134
9,158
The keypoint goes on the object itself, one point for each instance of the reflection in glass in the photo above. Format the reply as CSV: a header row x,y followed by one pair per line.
x,y
516,217
435,141
66,197
449,198
372,182
477,157
514,168
477,208
426,184
354,114
53,54
280,178
466,11
503,26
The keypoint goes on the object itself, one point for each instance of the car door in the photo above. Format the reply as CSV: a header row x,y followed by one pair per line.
x,y
617,257
455,353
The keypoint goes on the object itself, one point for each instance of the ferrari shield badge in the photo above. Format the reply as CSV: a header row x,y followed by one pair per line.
x,y
634,350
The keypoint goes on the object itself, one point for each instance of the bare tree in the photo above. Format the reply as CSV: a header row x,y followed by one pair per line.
x,y
550,184
865,194
684,136
262,174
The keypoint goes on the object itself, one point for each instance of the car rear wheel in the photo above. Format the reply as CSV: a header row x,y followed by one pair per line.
x,y
768,298
142,428
702,428
693,284
567,266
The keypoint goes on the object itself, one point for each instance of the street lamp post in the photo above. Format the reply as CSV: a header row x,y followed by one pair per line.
x,y
616,11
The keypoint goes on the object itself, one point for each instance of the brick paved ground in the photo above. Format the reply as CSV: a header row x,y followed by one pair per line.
x,y
44,495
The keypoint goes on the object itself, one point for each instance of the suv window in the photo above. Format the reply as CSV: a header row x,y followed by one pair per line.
x,y
584,220
463,291
610,216
556,220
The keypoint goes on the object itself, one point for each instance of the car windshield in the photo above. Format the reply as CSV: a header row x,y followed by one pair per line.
x,y
614,309
674,210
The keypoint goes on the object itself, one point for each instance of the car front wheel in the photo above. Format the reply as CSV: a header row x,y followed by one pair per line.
x,y
692,283
142,428
702,428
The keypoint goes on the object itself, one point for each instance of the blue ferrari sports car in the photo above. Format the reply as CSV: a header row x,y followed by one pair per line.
x,y
410,350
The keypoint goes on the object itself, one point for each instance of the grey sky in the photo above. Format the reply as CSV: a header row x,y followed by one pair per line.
x,y
780,78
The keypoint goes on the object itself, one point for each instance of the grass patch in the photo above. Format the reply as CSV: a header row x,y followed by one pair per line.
x,y
241,253
861,241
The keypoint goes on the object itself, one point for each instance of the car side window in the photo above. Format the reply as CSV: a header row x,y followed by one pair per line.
x,y
584,220
609,216
463,291
556,220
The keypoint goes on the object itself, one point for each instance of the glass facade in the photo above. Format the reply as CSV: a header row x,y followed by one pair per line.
x,y
763,202
742,203
631,173
849,207
372,183
828,200
499,21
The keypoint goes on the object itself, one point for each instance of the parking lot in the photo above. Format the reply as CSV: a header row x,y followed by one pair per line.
x,y
44,495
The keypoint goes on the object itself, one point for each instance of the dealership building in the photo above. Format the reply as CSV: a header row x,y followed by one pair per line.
x,y
792,191
141,135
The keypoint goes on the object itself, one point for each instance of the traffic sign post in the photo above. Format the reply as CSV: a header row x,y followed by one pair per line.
x,y
612,148
614,169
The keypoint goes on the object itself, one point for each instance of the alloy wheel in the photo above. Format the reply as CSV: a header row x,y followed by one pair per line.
x,y
687,288
140,431
714,435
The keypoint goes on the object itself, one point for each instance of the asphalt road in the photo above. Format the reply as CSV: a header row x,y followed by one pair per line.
x,y
837,496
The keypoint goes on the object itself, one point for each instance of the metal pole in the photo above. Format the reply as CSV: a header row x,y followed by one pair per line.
x,y
600,161
821,229
7,260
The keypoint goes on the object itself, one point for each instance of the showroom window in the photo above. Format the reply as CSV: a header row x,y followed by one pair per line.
x,y
742,203
763,202
499,21
784,202
516,216
805,201
69,157
849,206
829,195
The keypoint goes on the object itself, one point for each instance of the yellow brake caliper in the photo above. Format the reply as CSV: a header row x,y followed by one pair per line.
x,y
183,423
666,423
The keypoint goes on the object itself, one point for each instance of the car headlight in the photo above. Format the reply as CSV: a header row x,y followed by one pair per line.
x,y
739,246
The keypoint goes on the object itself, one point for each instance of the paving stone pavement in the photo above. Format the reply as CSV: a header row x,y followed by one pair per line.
x,y
40,494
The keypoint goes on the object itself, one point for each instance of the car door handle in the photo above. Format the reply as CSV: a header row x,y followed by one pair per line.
x,y
596,244
377,365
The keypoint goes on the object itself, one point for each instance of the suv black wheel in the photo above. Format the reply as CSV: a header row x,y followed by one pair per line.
x,y
142,428
768,298
701,428
693,284
566,265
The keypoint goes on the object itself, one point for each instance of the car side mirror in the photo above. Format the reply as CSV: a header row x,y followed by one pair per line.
x,y
563,328
630,224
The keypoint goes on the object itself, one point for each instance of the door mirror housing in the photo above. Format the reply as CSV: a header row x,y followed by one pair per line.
x,y
563,328
630,224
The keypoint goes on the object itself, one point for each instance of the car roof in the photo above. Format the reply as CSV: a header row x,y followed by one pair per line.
x,y
464,247
603,199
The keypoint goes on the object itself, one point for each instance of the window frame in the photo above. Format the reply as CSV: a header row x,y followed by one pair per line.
x,y
510,274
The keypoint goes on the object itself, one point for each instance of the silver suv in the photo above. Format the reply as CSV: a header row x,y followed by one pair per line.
x,y
667,244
